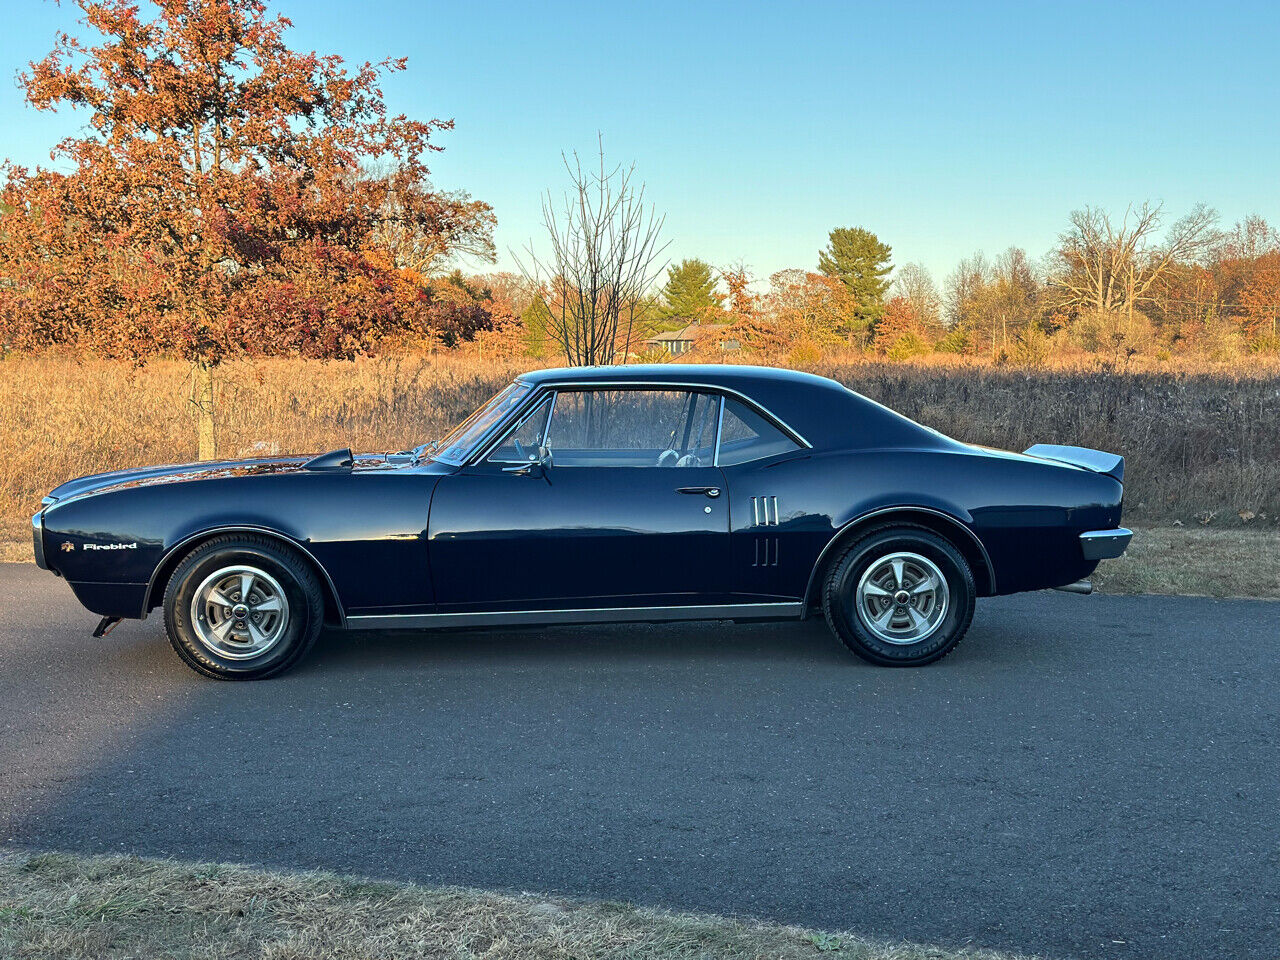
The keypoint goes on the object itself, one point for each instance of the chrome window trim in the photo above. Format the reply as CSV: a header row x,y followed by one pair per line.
x,y
768,418
519,422
486,445
715,455
575,615
469,457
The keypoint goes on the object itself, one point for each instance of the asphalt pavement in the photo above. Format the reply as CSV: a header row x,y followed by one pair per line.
x,y
1083,777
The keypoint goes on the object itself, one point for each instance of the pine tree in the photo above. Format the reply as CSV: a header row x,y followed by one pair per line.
x,y
858,259
690,292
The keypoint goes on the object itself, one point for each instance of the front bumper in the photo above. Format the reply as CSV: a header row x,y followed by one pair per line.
x,y
1105,544
37,536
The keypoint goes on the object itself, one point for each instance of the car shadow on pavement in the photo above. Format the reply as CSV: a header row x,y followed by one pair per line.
x,y
599,644
1077,773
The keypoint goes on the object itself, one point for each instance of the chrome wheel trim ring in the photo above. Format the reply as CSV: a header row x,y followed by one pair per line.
x,y
902,598
239,612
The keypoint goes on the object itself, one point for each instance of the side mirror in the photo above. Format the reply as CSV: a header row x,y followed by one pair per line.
x,y
536,467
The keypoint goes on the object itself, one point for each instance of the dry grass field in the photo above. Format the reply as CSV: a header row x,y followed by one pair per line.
x,y
61,418
1200,448
1203,449
99,908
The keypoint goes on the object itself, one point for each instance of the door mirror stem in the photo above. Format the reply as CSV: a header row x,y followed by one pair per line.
x,y
537,466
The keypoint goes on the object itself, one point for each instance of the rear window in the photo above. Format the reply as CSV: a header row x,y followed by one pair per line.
x,y
746,435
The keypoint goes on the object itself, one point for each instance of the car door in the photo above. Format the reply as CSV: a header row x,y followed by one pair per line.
x,y
622,508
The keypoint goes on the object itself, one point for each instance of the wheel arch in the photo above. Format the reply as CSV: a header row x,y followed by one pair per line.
x,y
159,581
946,525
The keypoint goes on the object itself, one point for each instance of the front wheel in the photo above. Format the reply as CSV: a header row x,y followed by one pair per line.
x,y
900,596
242,608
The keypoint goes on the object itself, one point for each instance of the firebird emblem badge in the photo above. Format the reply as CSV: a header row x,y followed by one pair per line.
x,y
68,546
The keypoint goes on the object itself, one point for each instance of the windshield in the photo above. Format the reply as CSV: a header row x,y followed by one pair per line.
x,y
463,438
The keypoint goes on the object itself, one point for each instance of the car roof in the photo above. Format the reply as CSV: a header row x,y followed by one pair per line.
x,y
822,412
725,375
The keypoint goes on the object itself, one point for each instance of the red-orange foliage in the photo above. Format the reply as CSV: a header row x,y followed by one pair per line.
x,y
742,302
755,334
899,320
217,205
813,308
1260,299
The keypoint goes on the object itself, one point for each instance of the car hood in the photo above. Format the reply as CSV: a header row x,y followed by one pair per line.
x,y
222,469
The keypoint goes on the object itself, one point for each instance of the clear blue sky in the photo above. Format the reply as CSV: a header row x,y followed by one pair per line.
x,y
759,126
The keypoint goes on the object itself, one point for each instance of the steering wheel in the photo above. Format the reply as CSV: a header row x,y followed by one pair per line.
x,y
689,460
519,449
668,458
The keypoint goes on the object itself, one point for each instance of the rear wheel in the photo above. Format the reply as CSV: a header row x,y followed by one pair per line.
x,y
243,607
900,596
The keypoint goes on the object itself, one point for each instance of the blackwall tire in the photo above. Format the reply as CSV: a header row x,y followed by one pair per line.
x,y
900,596
224,633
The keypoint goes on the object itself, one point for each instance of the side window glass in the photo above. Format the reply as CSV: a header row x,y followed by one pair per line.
x,y
745,436
628,428
521,444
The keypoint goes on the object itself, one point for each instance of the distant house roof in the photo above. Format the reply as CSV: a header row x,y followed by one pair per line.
x,y
669,336
690,333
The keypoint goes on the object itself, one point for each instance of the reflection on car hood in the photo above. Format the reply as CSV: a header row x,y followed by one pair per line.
x,y
220,469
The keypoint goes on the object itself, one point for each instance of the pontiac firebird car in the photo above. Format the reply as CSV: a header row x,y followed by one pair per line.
x,y
587,495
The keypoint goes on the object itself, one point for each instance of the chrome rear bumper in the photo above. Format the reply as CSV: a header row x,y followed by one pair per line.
x,y
1105,544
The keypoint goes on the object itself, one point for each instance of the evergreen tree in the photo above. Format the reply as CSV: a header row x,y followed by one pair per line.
x,y
690,291
861,262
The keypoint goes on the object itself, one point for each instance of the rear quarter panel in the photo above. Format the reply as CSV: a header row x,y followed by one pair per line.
x,y
1027,515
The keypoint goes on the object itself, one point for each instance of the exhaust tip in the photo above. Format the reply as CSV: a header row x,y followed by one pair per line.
x,y
1080,586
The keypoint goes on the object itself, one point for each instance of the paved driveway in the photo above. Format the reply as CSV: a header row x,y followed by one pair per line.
x,y
1091,777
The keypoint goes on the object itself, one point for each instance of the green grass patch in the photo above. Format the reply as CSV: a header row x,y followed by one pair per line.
x,y
1197,561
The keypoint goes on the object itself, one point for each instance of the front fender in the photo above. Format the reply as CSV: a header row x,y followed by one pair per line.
x,y
366,533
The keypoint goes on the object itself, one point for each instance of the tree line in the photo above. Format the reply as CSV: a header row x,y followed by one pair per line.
x,y
231,196
1116,286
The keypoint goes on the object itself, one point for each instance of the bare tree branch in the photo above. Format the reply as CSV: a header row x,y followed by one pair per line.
x,y
604,257
1108,268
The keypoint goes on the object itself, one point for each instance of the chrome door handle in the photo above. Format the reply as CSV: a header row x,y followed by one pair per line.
x,y
711,492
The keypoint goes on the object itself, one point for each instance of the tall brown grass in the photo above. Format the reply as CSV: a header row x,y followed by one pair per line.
x,y
1199,446
61,417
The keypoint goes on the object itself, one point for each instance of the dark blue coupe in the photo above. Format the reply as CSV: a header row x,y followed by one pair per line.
x,y
589,495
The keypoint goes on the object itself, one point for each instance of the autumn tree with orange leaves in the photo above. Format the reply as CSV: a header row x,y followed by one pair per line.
x,y
221,203
899,321
1260,300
